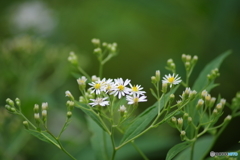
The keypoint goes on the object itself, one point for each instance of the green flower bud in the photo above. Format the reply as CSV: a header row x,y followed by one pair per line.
x,y
157,75
182,135
164,87
18,102
212,101
180,123
228,118
36,108
200,104
184,57
26,125
69,114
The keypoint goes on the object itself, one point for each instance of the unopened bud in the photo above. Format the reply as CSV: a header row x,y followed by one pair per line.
x,y
187,65
44,115
26,125
204,93
200,104
157,75
192,95
195,59
36,108
44,106
228,118
97,51
184,57
70,105
223,101
164,87
189,119
122,110
37,118
96,41
182,135
219,106
212,101
185,116
180,123
68,94
18,102
69,114
188,58
174,120
153,79
215,112
171,98
207,99
10,102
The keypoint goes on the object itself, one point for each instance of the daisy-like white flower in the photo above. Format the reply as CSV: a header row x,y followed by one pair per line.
x,y
82,81
95,78
136,89
120,88
99,102
171,79
97,86
108,85
135,98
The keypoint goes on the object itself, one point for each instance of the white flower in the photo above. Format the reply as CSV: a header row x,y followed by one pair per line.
x,y
135,98
136,89
108,85
120,89
82,80
174,79
97,86
99,101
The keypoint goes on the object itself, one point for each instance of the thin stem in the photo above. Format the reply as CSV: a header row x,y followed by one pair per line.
x,y
113,143
105,143
83,72
192,150
139,151
100,70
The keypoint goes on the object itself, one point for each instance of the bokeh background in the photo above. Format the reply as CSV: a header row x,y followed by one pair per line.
x,y
37,36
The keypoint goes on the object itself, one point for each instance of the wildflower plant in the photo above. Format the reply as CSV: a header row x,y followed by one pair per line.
x,y
110,105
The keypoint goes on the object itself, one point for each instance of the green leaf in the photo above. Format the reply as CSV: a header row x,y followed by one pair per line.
x,y
44,136
100,140
143,120
91,113
177,149
202,80
202,146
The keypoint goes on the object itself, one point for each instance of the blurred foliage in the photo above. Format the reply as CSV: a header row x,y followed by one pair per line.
x,y
147,32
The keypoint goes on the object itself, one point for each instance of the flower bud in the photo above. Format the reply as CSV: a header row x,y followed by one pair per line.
x,y
44,106
185,116
180,123
184,57
212,101
68,94
207,99
192,95
82,82
157,75
215,112
97,51
10,102
171,98
153,79
228,118
187,65
8,107
37,118
44,115
188,58
70,105
189,119
26,125
204,93
96,41
18,102
174,121
200,104
69,114
182,135
219,106
72,58
194,60
122,110
164,87
223,101
36,108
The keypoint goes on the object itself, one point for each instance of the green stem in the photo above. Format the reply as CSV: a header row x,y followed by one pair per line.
x,y
192,150
100,70
113,143
139,151
84,73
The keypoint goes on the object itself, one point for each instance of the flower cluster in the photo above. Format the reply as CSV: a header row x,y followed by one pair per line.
x,y
119,88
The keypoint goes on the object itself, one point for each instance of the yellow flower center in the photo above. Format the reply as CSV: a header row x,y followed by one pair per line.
x,y
171,79
121,87
97,86
134,88
135,100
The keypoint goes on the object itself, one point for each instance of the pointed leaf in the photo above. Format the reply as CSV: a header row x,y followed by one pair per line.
x,y
143,120
202,80
100,140
177,149
44,136
91,113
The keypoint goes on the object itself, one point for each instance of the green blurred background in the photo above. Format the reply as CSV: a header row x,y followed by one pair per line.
x,y
37,36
